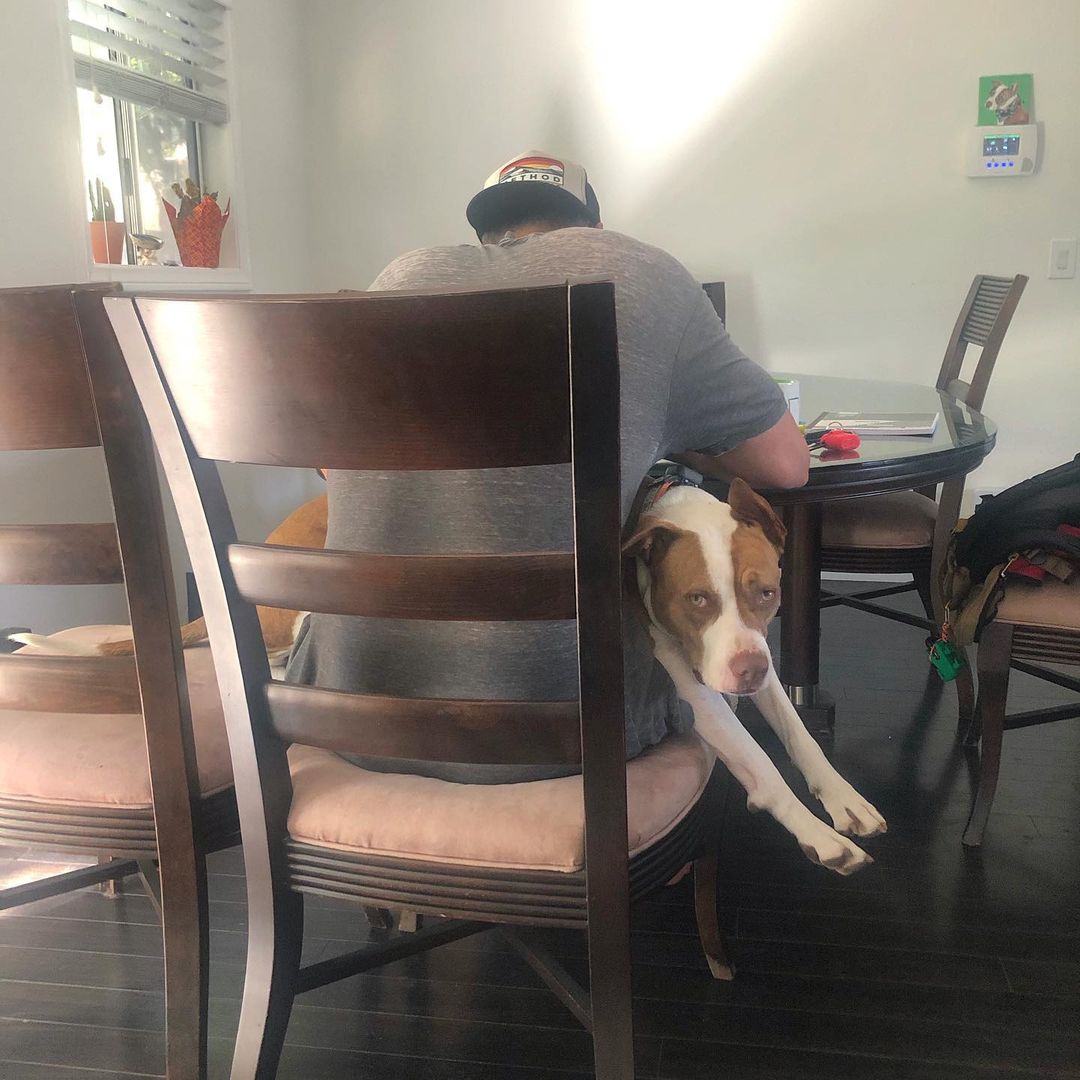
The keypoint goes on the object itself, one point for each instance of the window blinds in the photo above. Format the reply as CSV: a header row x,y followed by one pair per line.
x,y
167,54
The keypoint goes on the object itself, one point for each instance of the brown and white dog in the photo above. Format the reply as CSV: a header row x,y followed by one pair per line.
x,y
1006,104
708,577
708,574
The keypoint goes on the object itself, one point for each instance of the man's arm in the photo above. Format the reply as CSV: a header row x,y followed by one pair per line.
x,y
777,458
727,416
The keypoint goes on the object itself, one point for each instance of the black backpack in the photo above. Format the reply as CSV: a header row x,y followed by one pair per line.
x,y
1023,518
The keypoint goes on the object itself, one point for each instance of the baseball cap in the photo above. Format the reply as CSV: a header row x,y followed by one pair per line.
x,y
531,183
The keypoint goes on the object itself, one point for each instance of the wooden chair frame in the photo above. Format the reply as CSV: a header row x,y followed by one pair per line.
x,y
983,320
200,410
1002,647
48,405
716,291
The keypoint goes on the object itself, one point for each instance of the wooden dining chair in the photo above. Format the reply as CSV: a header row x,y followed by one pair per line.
x,y
1039,623
81,771
906,532
716,291
405,382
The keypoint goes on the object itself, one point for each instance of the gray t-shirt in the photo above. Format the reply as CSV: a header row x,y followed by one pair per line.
x,y
684,386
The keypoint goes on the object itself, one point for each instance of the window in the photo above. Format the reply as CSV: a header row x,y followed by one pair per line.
x,y
151,91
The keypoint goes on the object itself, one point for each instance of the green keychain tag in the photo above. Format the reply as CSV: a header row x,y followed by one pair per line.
x,y
947,662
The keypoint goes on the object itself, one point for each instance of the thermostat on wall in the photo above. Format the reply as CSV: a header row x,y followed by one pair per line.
x,y
1007,150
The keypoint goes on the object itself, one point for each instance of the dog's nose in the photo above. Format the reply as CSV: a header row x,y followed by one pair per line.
x,y
749,669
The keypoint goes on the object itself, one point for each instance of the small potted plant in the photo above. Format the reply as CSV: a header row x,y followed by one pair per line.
x,y
106,233
197,224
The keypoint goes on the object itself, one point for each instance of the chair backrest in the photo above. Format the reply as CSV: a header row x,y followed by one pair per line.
x,y
392,381
46,404
982,321
716,291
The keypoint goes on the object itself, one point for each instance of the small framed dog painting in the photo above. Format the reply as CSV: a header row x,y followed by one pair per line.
x,y
1006,99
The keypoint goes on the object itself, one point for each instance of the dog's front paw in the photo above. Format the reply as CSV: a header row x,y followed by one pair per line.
x,y
828,848
850,812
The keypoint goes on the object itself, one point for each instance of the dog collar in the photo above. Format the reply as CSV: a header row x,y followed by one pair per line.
x,y
662,477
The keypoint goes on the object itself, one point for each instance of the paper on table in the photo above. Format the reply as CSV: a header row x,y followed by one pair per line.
x,y
871,424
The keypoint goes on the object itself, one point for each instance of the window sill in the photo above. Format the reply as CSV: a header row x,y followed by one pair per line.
x,y
180,278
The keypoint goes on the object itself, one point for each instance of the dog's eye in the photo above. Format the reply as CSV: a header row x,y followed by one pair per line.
x,y
698,599
768,595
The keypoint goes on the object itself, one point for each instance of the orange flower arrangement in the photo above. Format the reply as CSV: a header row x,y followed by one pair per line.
x,y
197,225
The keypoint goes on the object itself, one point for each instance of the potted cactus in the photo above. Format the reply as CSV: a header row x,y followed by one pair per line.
x,y
106,233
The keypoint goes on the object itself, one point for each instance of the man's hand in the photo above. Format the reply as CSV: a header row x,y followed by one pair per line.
x,y
777,458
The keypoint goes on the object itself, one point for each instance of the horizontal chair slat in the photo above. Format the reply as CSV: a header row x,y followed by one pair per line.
x,y
69,684
445,587
1046,650
433,729
60,555
369,381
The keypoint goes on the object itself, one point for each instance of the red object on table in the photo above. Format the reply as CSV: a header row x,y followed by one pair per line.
x,y
841,440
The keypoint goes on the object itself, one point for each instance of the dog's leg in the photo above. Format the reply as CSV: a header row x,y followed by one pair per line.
x,y
850,812
750,765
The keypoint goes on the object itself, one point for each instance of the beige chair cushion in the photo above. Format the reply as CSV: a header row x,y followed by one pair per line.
x,y
99,760
1052,604
903,519
531,826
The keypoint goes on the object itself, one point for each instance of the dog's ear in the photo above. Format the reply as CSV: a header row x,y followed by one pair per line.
x,y
750,508
651,540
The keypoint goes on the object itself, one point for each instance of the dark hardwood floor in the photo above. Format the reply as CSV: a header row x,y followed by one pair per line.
x,y
933,964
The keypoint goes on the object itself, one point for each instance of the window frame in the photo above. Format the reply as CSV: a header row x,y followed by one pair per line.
x,y
235,277
127,148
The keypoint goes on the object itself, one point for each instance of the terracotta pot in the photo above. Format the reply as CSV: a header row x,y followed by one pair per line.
x,y
107,241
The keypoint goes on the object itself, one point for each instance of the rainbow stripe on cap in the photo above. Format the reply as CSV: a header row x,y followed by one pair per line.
x,y
544,169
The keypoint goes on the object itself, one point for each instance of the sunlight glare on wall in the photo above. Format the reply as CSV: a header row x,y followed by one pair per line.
x,y
660,71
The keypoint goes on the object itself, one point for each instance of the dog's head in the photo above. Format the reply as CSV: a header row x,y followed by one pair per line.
x,y
1001,96
710,576
998,92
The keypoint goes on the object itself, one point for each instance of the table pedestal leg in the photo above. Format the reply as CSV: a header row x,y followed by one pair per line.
x,y
800,618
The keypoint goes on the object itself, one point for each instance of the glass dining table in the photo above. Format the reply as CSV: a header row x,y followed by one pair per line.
x,y
961,441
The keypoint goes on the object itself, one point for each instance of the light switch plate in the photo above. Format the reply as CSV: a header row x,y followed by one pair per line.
x,y
1062,259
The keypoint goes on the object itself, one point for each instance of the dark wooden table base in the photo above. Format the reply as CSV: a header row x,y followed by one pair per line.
x,y
800,624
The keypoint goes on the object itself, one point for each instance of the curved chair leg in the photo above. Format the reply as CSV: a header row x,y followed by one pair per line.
x,y
185,925
409,921
706,882
995,654
608,937
273,962
108,887
379,918
967,730
926,592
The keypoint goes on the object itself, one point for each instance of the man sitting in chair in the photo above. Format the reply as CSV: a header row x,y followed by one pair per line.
x,y
686,389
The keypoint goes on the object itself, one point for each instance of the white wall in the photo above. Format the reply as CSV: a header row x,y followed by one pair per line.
x,y
42,220
810,152
807,151
42,241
